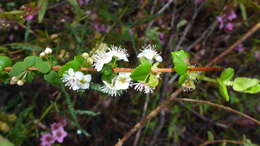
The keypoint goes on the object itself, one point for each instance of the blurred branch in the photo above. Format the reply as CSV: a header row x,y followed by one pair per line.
x,y
188,27
222,141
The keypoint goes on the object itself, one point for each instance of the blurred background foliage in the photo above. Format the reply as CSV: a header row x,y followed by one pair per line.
x,y
72,27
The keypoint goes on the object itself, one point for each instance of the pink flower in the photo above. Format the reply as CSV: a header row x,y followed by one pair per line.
x,y
47,139
29,17
231,15
220,21
229,27
59,134
56,126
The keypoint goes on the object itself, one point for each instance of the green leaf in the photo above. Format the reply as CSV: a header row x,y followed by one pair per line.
x,y
153,81
241,84
243,12
180,61
75,64
5,62
31,60
141,72
86,112
76,7
43,66
182,79
18,68
223,89
227,74
52,77
42,4
25,46
253,90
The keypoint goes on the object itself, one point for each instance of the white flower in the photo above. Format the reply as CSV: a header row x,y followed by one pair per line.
x,y
76,80
103,57
150,54
122,81
143,87
119,53
110,89
48,51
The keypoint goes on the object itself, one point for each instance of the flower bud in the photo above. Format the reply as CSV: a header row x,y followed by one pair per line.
x,y
20,83
48,51
85,55
90,60
15,79
42,54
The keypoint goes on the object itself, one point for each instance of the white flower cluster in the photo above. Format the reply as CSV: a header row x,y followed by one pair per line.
x,y
46,52
76,80
121,81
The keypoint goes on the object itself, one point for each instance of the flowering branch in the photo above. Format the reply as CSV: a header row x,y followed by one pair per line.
x,y
117,70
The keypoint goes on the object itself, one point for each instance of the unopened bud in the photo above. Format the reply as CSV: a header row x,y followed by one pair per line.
x,y
85,55
15,79
42,54
20,83
48,51
90,60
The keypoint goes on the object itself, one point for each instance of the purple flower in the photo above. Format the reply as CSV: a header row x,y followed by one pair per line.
x,y
100,28
229,27
240,48
231,15
220,21
47,139
257,55
59,134
162,38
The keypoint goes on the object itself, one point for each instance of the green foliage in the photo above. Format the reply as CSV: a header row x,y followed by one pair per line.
x,y
153,81
52,77
227,74
86,112
43,66
223,89
25,46
75,64
180,61
141,72
18,68
4,62
42,4
246,85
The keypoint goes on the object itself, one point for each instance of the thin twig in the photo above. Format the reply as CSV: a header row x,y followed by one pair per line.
x,y
188,27
222,141
137,136
218,106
